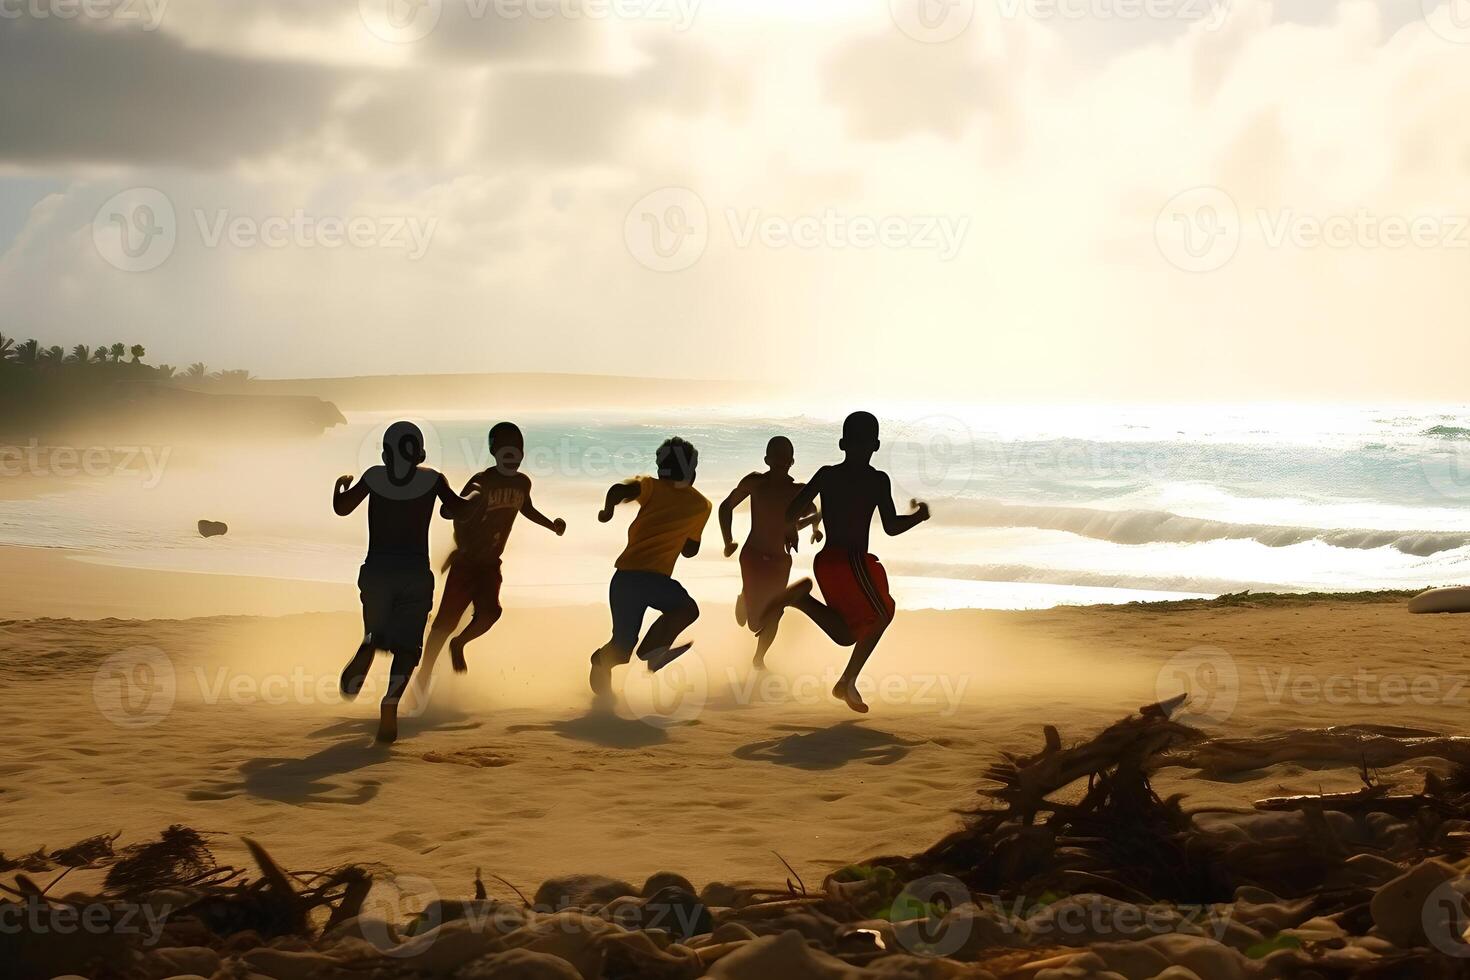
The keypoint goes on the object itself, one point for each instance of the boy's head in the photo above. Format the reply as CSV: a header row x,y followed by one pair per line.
x,y
859,435
507,446
403,447
677,460
780,454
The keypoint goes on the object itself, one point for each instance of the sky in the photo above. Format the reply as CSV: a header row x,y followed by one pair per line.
x,y
1043,200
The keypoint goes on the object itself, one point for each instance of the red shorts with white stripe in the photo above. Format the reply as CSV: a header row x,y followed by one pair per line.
x,y
857,587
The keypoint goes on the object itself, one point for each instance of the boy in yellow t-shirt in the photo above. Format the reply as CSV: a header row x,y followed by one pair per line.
x,y
671,519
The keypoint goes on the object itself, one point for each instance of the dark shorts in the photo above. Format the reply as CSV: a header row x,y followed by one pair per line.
x,y
397,597
763,577
469,583
631,594
857,587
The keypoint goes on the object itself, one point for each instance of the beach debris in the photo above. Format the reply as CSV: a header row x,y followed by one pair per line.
x,y
213,529
1073,868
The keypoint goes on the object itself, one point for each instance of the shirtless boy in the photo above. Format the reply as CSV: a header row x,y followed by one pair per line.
x,y
765,561
858,607
396,582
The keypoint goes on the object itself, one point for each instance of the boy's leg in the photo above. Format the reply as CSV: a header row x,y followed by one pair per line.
x,y
376,606
487,614
452,604
627,609
846,688
678,611
413,603
799,596
478,626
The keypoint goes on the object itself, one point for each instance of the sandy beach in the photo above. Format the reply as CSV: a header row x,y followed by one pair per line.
x,y
233,725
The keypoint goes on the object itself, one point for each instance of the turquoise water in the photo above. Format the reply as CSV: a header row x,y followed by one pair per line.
x,y
1032,505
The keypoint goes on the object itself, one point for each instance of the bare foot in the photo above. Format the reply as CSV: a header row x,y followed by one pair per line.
x,y
356,672
388,724
601,677
759,663
848,694
740,609
659,659
456,656
790,596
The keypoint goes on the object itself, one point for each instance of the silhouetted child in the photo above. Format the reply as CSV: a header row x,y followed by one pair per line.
x,y
858,607
765,561
671,519
396,582
480,535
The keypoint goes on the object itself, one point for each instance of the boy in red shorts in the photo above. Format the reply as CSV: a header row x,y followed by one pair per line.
x,y
858,607
479,540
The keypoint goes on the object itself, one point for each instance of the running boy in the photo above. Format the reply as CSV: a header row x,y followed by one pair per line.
x,y
396,582
671,519
858,607
479,540
765,562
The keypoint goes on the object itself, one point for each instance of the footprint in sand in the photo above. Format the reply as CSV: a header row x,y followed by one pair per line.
x,y
476,757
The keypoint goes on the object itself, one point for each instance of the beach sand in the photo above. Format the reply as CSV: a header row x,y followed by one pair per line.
x,y
233,725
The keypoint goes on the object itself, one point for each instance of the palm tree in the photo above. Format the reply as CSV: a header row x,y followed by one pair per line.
x,y
53,355
100,355
166,371
28,352
117,351
236,378
81,354
197,371
7,347
137,350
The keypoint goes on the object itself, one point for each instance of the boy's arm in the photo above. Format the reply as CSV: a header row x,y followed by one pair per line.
x,y
470,492
453,504
727,512
618,493
813,520
803,502
893,524
346,497
691,545
530,513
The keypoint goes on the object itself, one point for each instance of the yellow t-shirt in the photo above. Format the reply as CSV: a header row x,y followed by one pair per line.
x,y
668,515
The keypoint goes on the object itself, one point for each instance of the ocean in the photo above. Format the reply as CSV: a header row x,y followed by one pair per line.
x,y
1032,506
